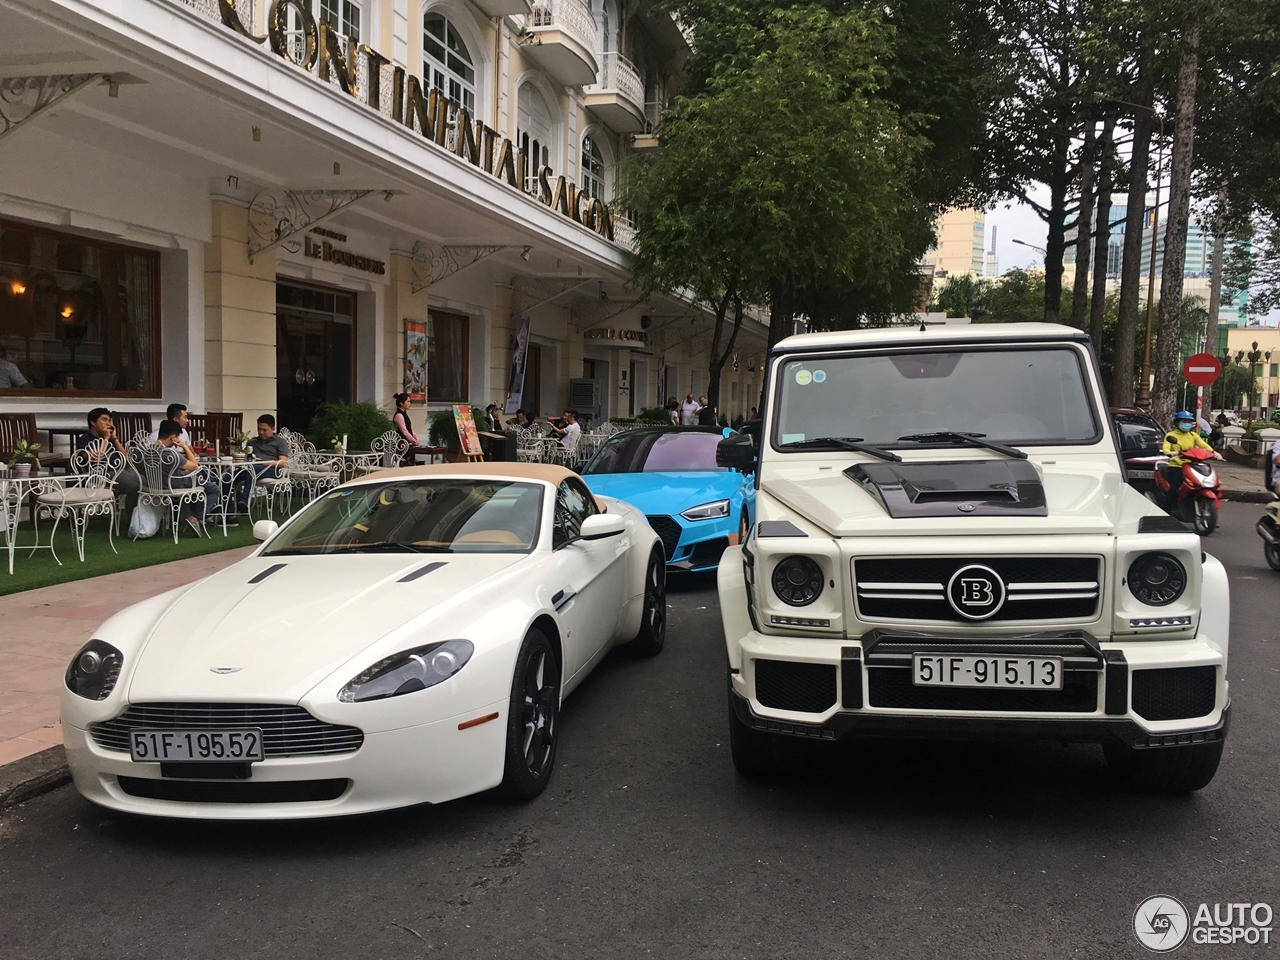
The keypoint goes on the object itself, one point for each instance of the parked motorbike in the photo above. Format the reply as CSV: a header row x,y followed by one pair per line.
x,y
1269,530
1198,497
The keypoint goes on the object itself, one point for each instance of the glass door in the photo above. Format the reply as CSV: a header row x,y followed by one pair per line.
x,y
315,344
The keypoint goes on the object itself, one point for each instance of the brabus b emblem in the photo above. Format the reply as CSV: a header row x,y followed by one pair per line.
x,y
976,592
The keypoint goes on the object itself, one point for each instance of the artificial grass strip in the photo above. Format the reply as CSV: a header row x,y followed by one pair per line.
x,y
41,570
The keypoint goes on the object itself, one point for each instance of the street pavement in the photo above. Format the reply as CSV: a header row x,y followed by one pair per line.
x,y
646,843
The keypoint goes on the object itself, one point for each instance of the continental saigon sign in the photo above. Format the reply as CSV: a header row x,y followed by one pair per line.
x,y
429,111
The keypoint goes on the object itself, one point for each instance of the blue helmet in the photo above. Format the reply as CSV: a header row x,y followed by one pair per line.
x,y
1185,415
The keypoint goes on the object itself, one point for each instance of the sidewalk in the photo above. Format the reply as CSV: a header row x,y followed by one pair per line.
x,y
43,628
1241,484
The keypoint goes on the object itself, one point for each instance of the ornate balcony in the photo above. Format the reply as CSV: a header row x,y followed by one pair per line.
x,y
561,36
618,98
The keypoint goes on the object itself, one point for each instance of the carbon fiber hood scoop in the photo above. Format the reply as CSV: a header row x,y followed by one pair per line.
x,y
956,488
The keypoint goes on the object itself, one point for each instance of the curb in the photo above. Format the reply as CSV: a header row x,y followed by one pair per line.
x,y
1247,496
32,776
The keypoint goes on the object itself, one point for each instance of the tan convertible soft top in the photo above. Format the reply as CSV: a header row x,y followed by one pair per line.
x,y
548,473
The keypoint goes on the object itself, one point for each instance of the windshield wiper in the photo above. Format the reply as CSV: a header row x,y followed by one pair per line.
x,y
395,546
973,439
847,443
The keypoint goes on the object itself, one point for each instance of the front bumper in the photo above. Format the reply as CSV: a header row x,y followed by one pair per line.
x,y
425,763
695,545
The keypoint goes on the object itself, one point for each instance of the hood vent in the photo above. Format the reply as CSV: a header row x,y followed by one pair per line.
x,y
421,571
960,488
258,578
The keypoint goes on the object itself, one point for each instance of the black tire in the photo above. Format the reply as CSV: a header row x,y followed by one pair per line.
x,y
533,719
1206,516
744,528
755,754
1164,769
1272,553
653,621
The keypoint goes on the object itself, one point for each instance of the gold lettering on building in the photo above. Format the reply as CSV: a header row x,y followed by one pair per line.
x,y
326,251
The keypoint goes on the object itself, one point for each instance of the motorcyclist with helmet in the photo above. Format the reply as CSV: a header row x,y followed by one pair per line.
x,y
1177,441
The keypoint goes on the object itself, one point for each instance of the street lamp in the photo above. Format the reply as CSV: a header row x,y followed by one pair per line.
x,y
1022,243
1254,356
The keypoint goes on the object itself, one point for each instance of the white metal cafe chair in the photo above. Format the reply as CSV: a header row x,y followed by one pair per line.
x,y
77,498
273,490
103,460
386,452
156,466
314,474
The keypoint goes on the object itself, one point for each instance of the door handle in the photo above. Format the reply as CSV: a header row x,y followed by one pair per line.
x,y
562,597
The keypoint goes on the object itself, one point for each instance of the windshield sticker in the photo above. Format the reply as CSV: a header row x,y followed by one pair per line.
x,y
803,377
819,376
793,438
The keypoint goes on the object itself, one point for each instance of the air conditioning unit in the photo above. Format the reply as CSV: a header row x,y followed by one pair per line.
x,y
584,396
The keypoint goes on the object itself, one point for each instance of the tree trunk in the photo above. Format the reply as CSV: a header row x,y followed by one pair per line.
x,y
1215,277
714,354
782,298
1054,246
1102,235
1084,219
1164,396
1131,266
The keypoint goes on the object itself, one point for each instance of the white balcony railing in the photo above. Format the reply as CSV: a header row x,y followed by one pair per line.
x,y
209,8
618,74
624,232
570,16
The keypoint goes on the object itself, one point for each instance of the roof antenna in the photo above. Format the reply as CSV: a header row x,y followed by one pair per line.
x,y
923,326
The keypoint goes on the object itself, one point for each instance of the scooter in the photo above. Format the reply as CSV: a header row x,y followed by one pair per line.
x,y
1269,530
1198,497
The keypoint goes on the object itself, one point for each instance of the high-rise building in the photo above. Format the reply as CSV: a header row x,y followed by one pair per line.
x,y
959,248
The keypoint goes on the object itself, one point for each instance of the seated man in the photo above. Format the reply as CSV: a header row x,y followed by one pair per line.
x,y
176,412
1182,438
520,421
269,451
169,434
570,432
102,443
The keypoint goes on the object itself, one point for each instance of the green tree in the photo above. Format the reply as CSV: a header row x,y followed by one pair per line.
x,y
787,173
961,295
1018,297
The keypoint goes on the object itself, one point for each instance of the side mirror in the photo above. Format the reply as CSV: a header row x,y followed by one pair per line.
x,y
737,452
264,529
598,526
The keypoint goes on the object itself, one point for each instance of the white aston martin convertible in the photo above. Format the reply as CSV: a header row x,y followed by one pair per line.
x,y
406,638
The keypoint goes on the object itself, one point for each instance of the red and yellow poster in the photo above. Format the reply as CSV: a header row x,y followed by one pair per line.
x,y
415,360
467,434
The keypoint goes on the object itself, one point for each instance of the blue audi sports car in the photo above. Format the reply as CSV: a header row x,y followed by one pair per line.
x,y
670,474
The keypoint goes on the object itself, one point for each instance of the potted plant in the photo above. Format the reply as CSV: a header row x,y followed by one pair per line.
x,y
28,453
238,441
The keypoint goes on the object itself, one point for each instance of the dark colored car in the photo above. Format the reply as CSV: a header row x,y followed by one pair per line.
x,y
1140,439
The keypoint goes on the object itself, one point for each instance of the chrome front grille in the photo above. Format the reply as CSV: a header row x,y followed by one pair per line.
x,y
287,731
1035,588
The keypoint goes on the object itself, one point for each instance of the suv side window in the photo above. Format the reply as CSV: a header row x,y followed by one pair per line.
x,y
574,503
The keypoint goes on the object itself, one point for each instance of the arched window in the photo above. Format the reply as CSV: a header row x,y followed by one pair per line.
x,y
535,133
592,169
447,65
343,16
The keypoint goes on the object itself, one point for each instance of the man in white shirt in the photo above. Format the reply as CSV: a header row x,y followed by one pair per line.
x,y
10,375
570,432
176,412
689,411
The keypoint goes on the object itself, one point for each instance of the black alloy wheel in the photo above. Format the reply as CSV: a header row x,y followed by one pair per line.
x,y
744,528
533,719
653,620
1272,553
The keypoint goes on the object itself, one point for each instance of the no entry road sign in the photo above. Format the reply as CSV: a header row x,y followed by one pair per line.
x,y
1201,369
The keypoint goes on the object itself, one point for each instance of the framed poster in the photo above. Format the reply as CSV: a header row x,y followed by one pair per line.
x,y
415,360
467,435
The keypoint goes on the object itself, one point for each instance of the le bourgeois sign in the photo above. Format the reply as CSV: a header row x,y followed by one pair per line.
x,y
429,110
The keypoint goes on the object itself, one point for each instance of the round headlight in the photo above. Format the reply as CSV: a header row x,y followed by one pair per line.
x,y
797,581
1157,579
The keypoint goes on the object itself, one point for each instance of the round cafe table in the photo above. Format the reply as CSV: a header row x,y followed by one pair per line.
x,y
226,472
14,491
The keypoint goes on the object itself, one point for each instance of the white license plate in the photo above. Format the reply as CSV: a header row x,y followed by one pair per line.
x,y
990,671
1142,474
196,746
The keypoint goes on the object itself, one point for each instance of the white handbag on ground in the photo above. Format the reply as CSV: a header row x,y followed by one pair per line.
x,y
145,522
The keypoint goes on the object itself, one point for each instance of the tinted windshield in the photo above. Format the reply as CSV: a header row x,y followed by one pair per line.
x,y
418,516
1024,396
1137,431
673,452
